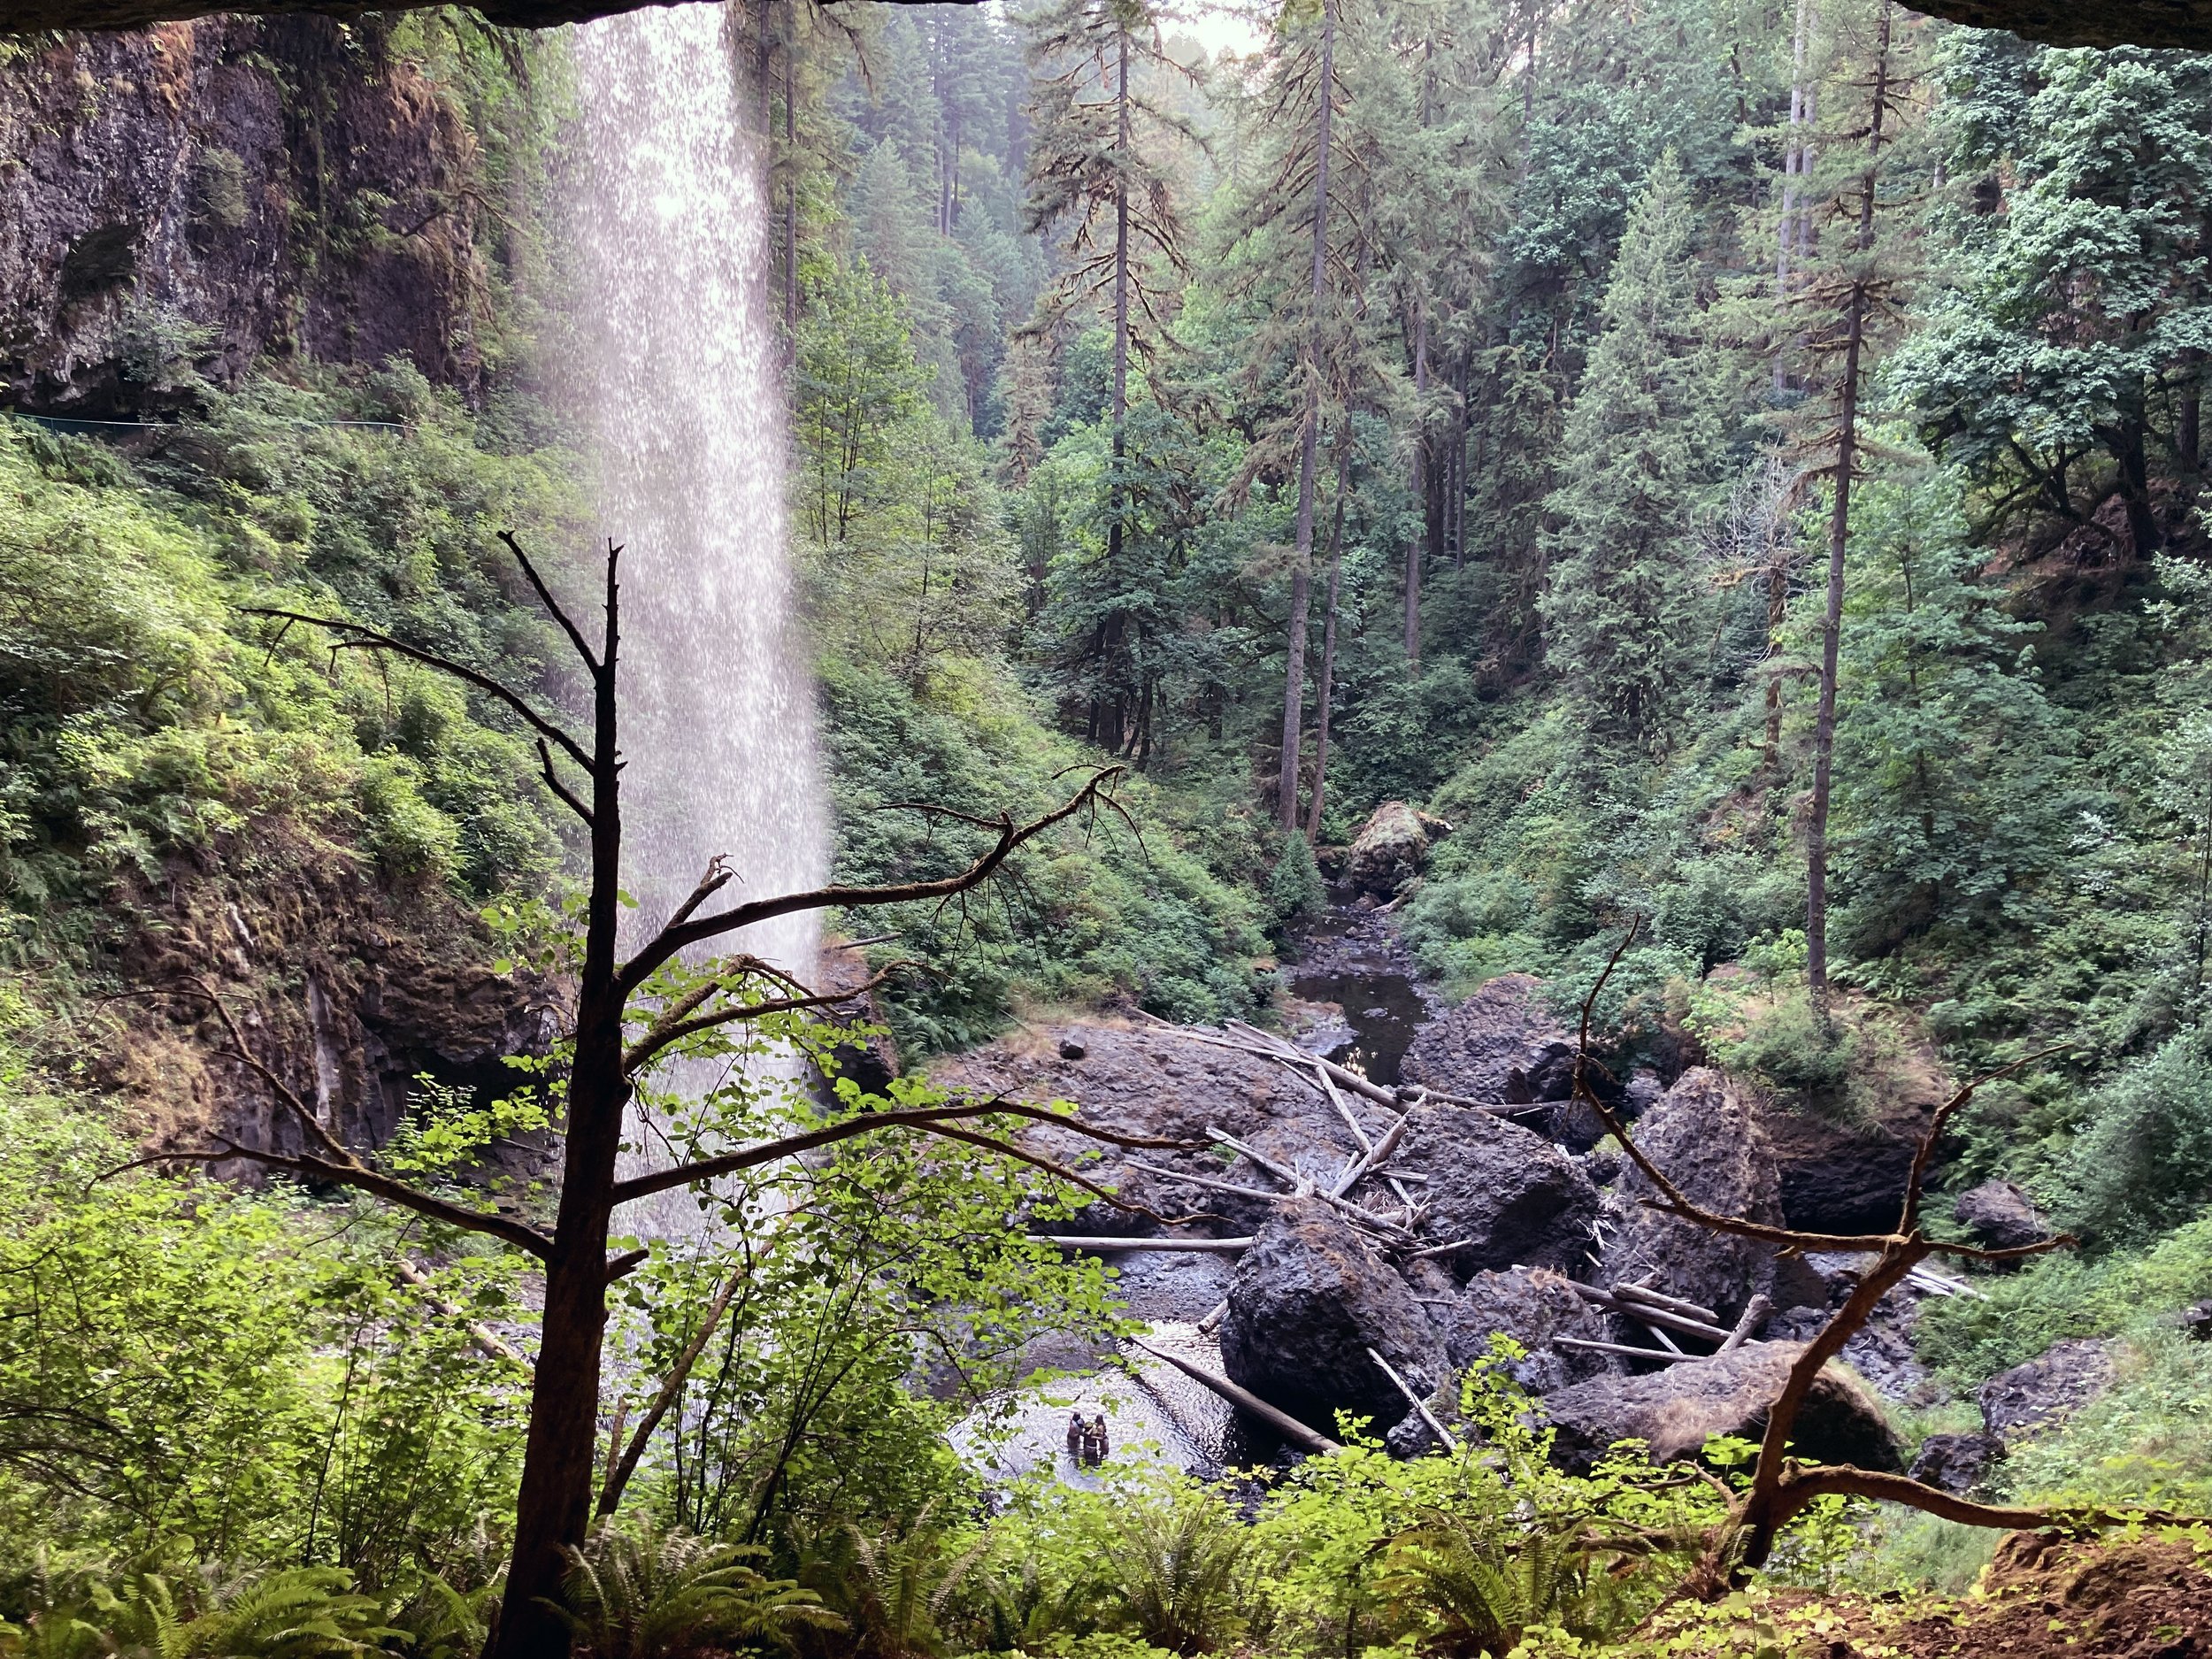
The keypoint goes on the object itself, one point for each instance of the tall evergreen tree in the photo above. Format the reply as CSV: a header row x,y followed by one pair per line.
x,y
1100,184
1839,310
1623,610
2070,362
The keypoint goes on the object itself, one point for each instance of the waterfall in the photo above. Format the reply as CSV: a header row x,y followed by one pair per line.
x,y
679,367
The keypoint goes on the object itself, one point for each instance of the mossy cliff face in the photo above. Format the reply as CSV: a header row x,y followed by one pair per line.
x,y
198,195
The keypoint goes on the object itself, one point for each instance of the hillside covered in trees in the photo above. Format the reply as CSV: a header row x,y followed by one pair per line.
x,y
1726,473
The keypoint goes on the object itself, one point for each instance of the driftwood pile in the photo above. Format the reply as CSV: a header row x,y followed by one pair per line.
x,y
1380,1202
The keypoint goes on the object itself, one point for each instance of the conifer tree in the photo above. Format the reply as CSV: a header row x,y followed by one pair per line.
x,y
1623,609
2071,361
1851,286
1100,183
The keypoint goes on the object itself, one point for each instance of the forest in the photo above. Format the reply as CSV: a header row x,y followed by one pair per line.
x,y
1611,597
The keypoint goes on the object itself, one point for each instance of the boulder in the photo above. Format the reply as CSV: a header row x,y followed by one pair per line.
x,y
1516,1198
1533,1307
1309,1300
1500,1044
2063,1378
1391,849
1836,1178
1148,1081
2196,1321
2000,1215
1677,1409
1956,1462
1706,1136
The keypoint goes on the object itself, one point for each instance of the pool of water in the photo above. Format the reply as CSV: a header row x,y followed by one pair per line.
x,y
1153,1414
1364,999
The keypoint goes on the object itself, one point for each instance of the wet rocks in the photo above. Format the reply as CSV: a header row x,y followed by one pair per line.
x,y
2060,1380
1676,1411
1707,1139
2000,1215
1500,1044
1308,1302
1391,849
1956,1462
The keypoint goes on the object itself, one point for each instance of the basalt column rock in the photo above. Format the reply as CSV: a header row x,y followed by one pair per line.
x,y
195,198
1705,1138
1308,1302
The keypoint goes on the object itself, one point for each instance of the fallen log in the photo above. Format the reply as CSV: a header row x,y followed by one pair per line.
x,y
1284,1425
1102,1245
486,1340
1375,1155
1671,1304
1211,1183
1419,1405
1645,1315
1302,1187
1659,1354
1755,1311
1440,1250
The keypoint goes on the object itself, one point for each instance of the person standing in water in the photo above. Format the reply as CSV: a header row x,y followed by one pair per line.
x,y
1079,1438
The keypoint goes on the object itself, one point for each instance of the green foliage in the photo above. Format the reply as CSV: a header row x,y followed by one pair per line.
x,y
301,1613
1624,611
186,1367
1159,913
2141,1160
2019,1314
637,1592
141,717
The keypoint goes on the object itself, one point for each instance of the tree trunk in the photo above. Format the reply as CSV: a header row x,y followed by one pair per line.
x,y
1839,541
1421,486
553,1507
1323,691
1301,584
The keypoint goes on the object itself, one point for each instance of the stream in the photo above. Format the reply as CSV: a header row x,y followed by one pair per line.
x,y
1357,996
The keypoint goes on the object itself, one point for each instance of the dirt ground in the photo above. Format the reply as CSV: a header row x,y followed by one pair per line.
x,y
2041,1598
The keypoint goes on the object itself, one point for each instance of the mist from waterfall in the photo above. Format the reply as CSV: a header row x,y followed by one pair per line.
x,y
680,370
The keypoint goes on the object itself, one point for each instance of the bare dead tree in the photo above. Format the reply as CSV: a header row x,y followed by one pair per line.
x,y
621,1028
1782,1486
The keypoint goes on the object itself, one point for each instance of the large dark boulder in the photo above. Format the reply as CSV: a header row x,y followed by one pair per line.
x,y
1956,1462
1835,1177
1705,1137
1309,1300
1674,1411
2060,1380
2000,1215
1535,1309
1500,1044
1513,1196
1154,1082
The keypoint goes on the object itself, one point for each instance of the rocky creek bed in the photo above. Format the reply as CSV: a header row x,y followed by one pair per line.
x,y
1354,1238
